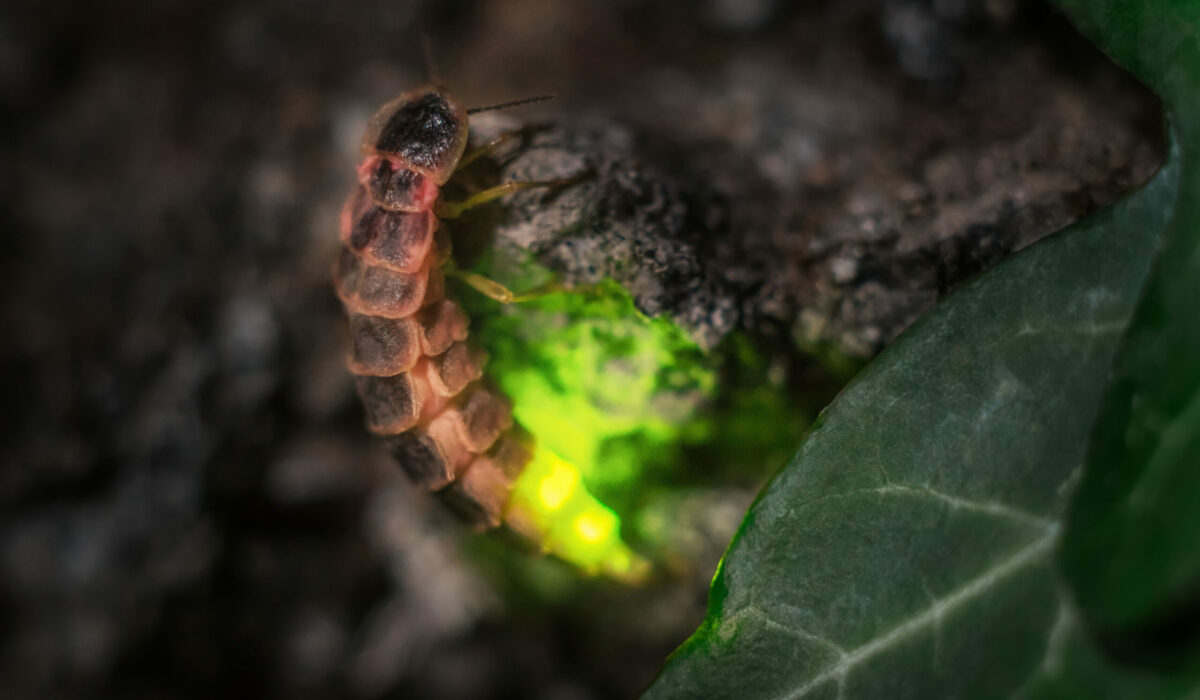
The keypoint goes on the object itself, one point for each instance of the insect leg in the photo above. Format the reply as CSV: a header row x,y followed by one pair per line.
x,y
487,148
453,210
494,290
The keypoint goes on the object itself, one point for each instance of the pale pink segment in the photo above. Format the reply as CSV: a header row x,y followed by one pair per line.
x,y
393,404
447,435
484,417
432,401
442,324
384,292
454,369
400,241
435,287
486,485
384,346
511,453
419,455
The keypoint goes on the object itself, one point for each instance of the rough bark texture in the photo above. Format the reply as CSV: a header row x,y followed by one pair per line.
x,y
190,505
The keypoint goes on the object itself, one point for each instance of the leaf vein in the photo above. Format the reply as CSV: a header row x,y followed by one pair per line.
x,y
989,507
763,615
936,611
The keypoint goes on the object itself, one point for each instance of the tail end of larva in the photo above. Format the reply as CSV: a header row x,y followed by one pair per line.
x,y
550,505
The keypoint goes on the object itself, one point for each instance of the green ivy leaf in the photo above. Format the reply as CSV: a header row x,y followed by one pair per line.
x,y
908,549
1131,548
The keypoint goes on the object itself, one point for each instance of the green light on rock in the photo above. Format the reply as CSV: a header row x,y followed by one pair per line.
x,y
623,409
589,376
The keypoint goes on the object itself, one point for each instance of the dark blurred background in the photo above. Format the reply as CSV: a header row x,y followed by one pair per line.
x,y
190,504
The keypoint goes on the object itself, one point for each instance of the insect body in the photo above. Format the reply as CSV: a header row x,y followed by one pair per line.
x,y
420,380
418,377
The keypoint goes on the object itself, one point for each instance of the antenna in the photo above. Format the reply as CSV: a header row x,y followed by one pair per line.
x,y
514,103
431,71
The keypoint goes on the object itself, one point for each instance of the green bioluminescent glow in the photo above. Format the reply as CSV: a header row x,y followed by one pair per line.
x,y
551,505
620,406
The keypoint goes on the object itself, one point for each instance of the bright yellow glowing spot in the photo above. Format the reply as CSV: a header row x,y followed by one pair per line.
x,y
555,487
593,528
551,505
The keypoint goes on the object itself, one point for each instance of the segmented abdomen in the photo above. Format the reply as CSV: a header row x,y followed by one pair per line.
x,y
420,380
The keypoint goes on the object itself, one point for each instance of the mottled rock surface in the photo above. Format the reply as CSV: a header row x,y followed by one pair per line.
x,y
625,220
825,200
190,505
